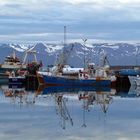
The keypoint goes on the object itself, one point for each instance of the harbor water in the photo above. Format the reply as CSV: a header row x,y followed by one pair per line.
x,y
69,114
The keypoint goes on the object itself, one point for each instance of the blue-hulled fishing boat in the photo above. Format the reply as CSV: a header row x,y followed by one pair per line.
x,y
89,77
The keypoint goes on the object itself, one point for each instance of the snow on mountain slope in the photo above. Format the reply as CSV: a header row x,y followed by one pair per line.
x,y
16,47
114,47
53,49
117,53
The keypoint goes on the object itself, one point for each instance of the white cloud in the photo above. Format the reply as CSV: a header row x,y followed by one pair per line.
x,y
92,18
104,3
36,4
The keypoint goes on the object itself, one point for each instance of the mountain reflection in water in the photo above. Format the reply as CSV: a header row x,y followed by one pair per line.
x,y
74,107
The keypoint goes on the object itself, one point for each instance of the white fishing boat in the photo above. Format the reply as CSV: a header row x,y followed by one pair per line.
x,y
11,62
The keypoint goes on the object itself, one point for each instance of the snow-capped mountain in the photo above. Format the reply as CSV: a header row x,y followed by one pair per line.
x,y
117,53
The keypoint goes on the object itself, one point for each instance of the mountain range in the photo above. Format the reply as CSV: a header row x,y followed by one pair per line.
x,y
117,53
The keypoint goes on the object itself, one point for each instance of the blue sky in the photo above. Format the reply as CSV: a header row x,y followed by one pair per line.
x,y
35,21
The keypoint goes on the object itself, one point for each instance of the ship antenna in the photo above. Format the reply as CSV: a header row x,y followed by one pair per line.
x,y
84,44
65,31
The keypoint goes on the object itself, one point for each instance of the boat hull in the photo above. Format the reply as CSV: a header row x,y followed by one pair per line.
x,y
129,72
53,80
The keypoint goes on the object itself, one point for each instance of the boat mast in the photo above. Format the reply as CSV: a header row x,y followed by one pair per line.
x,y
65,31
62,58
84,44
64,49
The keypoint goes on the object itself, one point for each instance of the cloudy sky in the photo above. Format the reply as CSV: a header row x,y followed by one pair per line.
x,y
43,20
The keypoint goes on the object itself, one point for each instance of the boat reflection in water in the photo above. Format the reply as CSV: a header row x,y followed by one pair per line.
x,y
62,110
69,113
89,96
19,95
133,92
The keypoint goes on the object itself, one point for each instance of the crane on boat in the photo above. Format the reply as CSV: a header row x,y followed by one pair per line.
x,y
28,52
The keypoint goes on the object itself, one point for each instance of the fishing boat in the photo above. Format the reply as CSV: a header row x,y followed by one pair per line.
x,y
63,75
76,76
93,77
11,63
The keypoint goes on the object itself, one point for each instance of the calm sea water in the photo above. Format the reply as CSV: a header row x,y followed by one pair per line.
x,y
69,115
